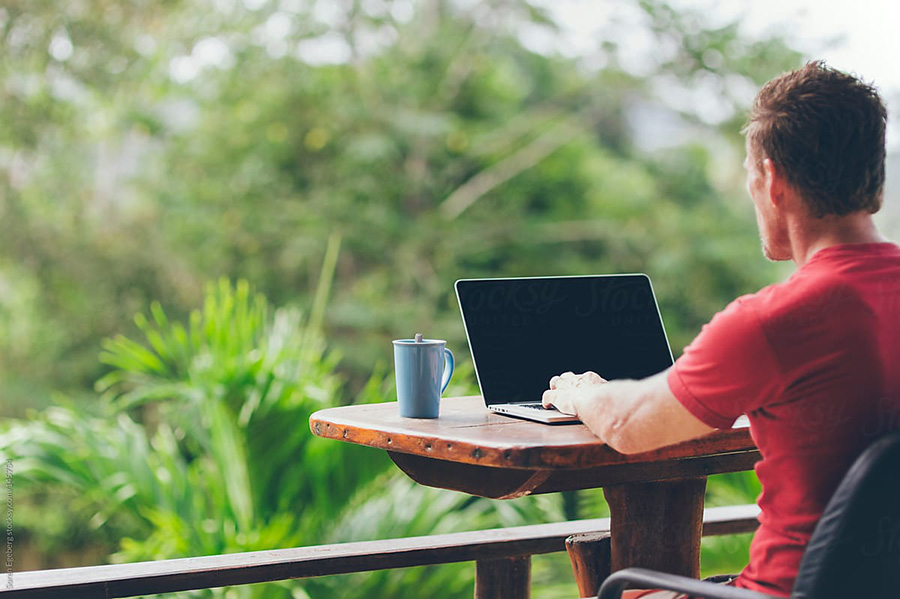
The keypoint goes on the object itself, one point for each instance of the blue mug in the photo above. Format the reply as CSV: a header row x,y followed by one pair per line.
x,y
423,368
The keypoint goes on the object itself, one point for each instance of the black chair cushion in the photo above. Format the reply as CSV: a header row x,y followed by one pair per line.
x,y
855,548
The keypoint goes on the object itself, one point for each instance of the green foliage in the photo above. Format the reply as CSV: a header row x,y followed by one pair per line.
x,y
157,146
230,384
149,147
205,449
400,508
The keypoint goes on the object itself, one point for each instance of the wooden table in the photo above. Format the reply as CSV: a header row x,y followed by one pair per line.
x,y
655,498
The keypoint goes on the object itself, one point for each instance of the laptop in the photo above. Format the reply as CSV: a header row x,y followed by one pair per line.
x,y
523,331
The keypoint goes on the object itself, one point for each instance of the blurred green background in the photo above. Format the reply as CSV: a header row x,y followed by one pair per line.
x,y
278,188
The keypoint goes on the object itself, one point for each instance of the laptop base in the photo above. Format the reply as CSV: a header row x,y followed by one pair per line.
x,y
533,411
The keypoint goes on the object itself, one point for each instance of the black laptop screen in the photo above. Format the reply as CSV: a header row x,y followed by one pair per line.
x,y
524,331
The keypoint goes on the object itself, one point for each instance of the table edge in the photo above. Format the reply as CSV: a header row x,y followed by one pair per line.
x,y
570,457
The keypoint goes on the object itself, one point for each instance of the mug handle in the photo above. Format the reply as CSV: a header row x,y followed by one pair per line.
x,y
448,368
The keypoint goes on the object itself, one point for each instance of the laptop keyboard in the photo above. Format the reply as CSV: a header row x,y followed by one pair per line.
x,y
534,406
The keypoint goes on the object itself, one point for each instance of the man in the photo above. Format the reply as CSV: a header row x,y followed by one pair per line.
x,y
811,361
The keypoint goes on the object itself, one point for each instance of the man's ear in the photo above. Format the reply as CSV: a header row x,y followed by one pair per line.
x,y
774,182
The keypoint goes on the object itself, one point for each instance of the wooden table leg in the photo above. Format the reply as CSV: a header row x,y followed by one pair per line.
x,y
657,525
503,578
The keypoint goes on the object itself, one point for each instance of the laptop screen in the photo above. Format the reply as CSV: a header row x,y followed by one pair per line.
x,y
523,331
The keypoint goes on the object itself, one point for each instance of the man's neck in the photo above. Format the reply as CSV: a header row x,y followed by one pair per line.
x,y
814,234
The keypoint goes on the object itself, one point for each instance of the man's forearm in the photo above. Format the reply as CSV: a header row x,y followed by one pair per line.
x,y
636,416
608,411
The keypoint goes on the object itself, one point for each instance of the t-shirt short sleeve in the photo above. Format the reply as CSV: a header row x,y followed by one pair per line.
x,y
728,370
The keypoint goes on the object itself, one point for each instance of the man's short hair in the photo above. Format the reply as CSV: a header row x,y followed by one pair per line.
x,y
825,131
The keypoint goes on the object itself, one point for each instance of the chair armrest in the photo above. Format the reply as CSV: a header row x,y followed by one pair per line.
x,y
648,579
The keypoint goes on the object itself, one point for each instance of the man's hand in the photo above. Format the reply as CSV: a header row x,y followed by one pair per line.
x,y
629,416
566,388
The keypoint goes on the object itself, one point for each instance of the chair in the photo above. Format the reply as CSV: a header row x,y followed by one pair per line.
x,y
854,550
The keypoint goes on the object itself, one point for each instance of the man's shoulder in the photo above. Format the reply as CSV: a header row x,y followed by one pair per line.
x,y
776,298
828,296
835,283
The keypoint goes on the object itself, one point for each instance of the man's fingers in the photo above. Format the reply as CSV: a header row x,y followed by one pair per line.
x,y
565,380
547,398
593,377
569,411
570,380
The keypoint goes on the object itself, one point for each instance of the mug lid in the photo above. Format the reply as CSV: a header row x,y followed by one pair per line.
x,y
418,342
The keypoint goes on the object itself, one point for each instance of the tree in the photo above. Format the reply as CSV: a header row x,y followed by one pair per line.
x,y
152,147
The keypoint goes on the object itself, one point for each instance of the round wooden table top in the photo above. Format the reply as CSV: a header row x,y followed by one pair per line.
x,y
468,433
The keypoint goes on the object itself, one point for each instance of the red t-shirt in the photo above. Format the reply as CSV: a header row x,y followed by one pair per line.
x,y
813,362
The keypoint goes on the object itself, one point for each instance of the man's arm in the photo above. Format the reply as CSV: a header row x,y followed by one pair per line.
x,y
629,416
